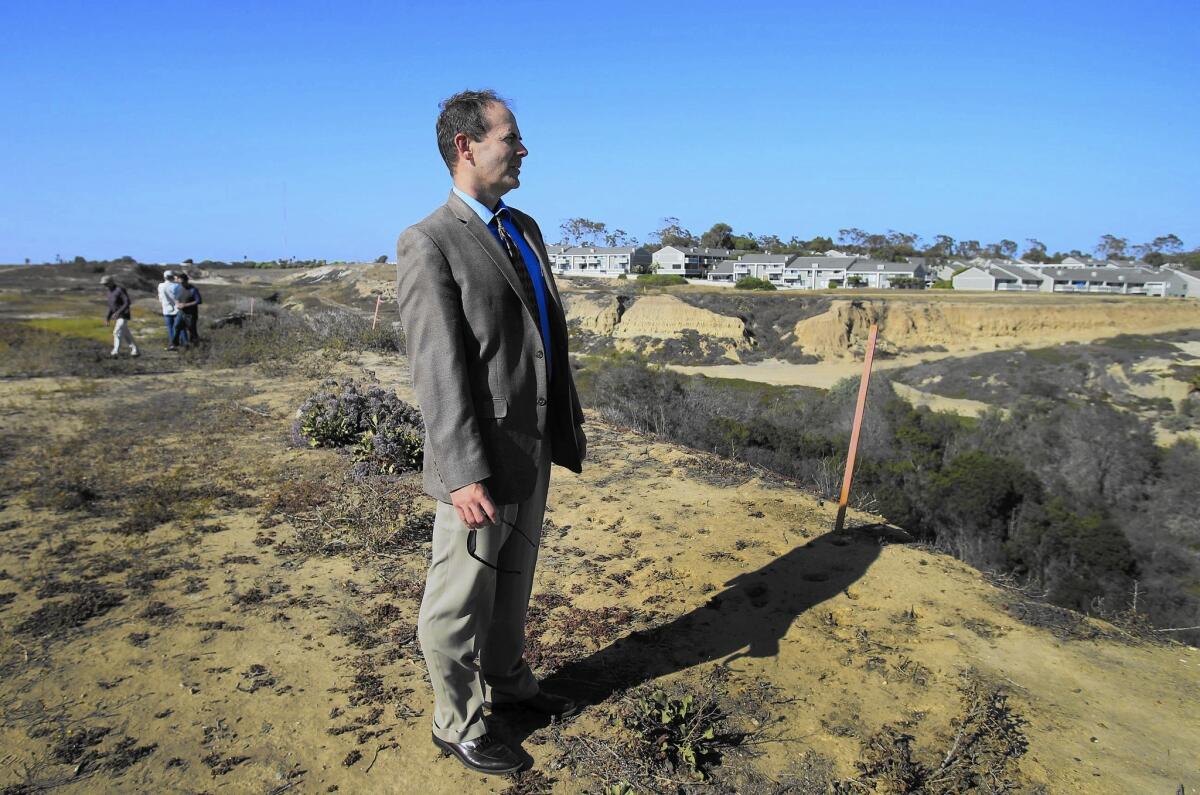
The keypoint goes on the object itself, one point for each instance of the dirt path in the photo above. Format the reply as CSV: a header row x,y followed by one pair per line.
x,y
822,375
935,402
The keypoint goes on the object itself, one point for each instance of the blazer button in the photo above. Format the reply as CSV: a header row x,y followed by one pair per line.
x,y
541,401
539,354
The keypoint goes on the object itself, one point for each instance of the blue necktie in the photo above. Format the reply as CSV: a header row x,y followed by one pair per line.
x,y
514,256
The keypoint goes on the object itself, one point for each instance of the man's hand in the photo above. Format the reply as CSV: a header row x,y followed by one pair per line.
x,y
474,506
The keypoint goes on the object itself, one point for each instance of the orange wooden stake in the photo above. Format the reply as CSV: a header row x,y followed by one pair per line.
x,y
844,500
374,320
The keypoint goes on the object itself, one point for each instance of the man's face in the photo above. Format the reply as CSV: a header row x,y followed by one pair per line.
x,y
495,161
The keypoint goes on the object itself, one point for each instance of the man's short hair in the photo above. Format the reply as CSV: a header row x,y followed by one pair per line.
x,y
463,113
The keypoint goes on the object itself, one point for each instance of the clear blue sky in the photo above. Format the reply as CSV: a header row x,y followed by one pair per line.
x,y
166,130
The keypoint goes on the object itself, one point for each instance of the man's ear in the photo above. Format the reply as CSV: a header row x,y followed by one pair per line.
x,y
462,145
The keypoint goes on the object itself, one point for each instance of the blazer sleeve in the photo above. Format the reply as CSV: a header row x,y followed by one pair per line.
x,y
432,315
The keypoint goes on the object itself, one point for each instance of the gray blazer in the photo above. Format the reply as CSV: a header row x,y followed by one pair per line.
x,y
475,350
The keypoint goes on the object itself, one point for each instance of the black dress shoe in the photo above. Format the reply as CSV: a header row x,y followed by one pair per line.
x,y
484,754
545,704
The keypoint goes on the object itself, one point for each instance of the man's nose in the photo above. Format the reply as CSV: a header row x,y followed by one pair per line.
x,y
523,150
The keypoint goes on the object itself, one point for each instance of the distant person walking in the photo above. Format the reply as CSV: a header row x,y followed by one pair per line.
x,y
167,291
118,310
187,322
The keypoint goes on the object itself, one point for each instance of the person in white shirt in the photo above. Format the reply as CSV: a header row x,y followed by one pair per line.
x,y
168,291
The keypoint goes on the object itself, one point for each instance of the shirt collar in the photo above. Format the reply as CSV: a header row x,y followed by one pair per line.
x,y
485,214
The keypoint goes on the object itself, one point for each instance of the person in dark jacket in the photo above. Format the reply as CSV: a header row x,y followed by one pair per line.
x,y
118,310
188,301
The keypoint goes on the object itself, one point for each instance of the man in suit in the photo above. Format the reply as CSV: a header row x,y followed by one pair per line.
x,y
487,346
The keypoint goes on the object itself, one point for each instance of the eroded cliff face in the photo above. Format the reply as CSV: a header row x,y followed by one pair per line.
x,y
654,316
665,317
909,325
595,313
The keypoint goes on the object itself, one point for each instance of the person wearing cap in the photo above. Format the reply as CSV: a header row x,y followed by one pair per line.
x,y
118,309
167,291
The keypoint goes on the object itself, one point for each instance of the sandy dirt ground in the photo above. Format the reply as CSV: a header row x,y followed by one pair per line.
x,y
960,406
219,656
822,375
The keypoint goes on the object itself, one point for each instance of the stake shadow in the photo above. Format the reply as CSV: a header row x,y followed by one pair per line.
x,y
745,619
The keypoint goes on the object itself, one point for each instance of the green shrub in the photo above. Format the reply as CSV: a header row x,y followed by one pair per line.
x,y
328,426
679,733
751,283
943,284
660,279
1078,556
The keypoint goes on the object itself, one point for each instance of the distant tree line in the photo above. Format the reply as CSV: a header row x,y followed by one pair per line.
x,y
1072,500
890,246
288,262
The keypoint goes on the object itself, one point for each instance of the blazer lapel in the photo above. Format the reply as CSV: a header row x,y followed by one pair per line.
x,y
488,242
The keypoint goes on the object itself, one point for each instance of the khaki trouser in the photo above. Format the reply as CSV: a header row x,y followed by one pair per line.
x,y
121,333
472,620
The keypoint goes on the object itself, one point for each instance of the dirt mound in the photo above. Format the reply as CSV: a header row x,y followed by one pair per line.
x,y
909,325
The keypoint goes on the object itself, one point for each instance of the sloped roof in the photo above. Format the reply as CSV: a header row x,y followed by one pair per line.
x,y
711,252
823,262
1019,272
1107,274
758,258
580,250
879,266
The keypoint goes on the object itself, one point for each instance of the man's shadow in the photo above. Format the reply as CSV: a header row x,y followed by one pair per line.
x,y
745,619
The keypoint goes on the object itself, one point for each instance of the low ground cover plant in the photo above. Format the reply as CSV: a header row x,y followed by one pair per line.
x,y
384,434
680,732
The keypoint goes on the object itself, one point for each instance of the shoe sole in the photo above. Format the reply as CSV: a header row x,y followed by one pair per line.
x,y
450,753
